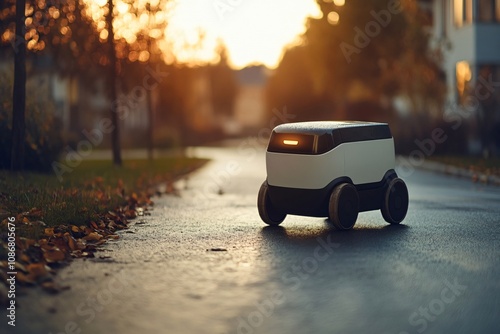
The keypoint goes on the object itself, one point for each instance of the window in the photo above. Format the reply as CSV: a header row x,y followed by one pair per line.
x,y
468,11
463,77
458,12
488,11
463,11
485,10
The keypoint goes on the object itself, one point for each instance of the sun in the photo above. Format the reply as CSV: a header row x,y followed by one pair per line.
x,y
253,31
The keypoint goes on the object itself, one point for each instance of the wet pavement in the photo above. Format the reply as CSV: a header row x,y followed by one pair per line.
x,y
203,262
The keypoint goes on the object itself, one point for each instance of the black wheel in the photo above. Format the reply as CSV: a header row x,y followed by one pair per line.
x,y
344,206
267,212
395,203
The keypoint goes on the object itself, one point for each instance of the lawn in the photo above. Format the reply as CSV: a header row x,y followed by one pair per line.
x,y
90,189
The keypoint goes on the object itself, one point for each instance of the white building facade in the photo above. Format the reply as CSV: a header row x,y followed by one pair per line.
x,y
468,33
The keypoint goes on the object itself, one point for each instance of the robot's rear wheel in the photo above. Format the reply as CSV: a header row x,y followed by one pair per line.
x,y
395,203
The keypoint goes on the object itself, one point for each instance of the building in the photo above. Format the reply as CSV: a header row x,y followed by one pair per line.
x,y
468,34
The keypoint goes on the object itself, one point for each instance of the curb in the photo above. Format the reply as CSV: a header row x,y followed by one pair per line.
x,y
472,175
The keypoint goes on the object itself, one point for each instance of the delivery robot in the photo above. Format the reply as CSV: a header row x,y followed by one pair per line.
x,y
334,170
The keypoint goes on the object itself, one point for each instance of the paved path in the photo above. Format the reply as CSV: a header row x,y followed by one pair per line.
x,y
205,263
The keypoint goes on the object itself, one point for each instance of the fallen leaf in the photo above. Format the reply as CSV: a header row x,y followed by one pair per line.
x,y
94,236
49,231
71,243
130,214
53,255
38,272
61,242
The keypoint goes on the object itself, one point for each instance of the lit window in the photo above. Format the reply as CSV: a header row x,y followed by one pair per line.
x,y
497,10
458,12
464,75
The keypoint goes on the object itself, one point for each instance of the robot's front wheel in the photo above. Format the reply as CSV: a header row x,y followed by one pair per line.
x,y
395,203
344,206
267,212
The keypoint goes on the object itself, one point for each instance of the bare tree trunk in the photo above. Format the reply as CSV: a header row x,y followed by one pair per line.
x,y
150,126
19,92
150,97
115,135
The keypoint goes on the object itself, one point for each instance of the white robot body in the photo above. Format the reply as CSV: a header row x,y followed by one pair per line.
x,y
331,169
363,162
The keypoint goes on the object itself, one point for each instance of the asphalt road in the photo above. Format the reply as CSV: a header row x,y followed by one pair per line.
x,y
205,263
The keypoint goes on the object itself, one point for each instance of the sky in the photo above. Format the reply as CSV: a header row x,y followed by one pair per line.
x,y
253,31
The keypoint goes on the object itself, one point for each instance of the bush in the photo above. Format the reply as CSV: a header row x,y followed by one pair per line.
x,y
43,139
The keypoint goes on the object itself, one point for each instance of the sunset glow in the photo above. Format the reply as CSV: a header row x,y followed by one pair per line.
x,y
253,31
187,31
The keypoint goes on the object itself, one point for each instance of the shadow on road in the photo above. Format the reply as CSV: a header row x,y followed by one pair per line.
x,y
363,236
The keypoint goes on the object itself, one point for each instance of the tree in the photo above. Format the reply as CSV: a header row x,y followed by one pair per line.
x,y
364,54
19,91
85,39
292,86
139,46
112,67
33,25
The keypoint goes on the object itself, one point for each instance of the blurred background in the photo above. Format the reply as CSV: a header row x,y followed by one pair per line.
x,y
176,73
